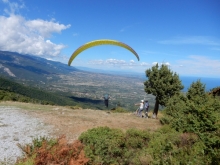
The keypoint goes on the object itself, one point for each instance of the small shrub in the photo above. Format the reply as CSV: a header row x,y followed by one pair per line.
x,y
119,110
76,107
103,145
53,151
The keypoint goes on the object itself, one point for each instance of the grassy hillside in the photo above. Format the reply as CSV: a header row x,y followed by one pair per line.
x,y
10,90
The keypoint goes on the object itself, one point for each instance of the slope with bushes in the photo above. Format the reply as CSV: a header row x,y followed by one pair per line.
x,y
10,90
197,113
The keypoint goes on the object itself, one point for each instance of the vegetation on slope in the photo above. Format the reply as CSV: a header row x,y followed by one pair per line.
x,y
10,90
190,135
13,91
53,151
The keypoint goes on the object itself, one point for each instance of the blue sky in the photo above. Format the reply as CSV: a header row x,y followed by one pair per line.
x,y
184,34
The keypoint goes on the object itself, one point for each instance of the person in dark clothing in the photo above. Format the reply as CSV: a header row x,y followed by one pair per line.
x,y
146,108
106,98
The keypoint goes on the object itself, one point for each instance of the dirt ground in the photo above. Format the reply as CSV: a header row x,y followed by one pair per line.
x,y
72,122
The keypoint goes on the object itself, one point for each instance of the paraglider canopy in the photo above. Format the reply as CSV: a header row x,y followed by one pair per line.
x,y
100,42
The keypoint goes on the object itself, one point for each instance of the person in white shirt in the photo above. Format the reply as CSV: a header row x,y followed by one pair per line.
x,y
140,109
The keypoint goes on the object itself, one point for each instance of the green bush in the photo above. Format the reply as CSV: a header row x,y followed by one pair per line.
x,y
197,113
174,148
111,146
103,145
135,147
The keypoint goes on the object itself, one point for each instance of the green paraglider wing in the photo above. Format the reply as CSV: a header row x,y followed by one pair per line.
x,y
100,42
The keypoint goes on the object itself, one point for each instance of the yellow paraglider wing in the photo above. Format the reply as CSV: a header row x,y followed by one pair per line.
x,y
100,42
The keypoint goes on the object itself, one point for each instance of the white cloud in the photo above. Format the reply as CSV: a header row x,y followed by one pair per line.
x,y
13,6
45,28
97,62
201,40
164,63
132,61
29,36
167,63
115,62
118,63
108,62
145,64
154,63
198,65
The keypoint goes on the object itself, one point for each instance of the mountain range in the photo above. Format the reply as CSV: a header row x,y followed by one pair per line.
x,y
27,67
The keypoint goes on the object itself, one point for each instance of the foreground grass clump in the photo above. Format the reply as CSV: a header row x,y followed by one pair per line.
x,y
76,107
111,146
52,151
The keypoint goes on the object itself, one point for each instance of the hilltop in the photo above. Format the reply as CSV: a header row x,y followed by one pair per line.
x,y
34,120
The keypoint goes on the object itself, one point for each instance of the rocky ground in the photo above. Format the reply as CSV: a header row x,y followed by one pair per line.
x,y
18,127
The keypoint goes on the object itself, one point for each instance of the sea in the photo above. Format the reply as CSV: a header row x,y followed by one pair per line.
x,y
209,83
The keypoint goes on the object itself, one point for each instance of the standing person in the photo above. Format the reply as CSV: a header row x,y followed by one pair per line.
x,y
146,108
141,107
106,98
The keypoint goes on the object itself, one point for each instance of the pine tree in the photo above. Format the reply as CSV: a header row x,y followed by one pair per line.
x,y
163,84
196,92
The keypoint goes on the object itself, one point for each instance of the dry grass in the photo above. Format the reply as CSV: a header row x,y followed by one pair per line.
x,y
72,123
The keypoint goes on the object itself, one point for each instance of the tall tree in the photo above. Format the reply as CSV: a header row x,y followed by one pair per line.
x,y
163,84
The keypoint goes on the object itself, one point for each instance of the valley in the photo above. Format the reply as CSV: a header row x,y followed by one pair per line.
x,y
82,87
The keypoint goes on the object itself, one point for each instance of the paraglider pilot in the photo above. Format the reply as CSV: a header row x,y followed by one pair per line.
x,y
106,98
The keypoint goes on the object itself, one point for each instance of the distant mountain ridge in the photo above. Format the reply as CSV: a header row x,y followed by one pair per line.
x,y
15,65
33,68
